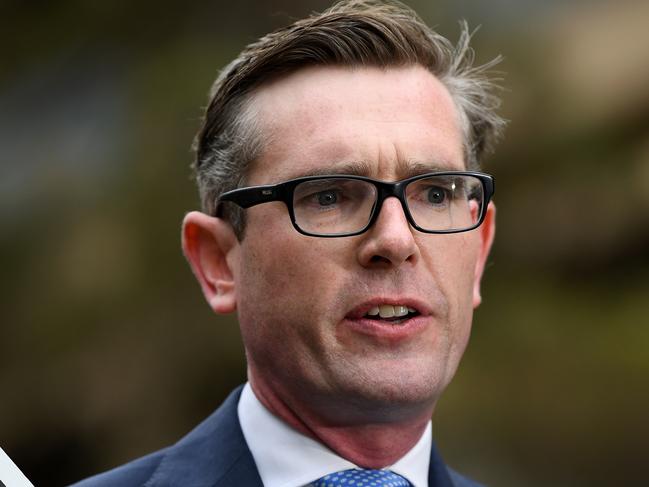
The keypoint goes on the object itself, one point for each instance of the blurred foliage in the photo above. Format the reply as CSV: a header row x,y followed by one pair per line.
x,y
107,350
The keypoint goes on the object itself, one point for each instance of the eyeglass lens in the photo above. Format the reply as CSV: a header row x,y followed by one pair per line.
x,y
436,203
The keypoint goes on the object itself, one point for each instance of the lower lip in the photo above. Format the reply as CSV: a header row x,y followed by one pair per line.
x,y
385,330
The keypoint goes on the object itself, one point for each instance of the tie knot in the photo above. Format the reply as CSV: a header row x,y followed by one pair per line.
x,y
362,478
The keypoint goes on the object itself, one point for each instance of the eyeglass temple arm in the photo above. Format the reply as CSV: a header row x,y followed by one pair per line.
x,y
247,197
490,188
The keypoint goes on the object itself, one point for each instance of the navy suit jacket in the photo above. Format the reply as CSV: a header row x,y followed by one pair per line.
x,y
215,454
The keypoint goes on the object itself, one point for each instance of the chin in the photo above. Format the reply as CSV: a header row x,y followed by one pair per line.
x,y
396,395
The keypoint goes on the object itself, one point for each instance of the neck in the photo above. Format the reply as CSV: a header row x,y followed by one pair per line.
x,y
369,443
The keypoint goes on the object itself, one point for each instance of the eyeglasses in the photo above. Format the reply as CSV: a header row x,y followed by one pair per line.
x,y
342,205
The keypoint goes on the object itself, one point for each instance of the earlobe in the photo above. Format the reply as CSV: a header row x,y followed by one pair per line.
x,y
487,233
208,244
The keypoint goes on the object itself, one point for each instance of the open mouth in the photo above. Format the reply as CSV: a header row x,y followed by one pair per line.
x,y
392,314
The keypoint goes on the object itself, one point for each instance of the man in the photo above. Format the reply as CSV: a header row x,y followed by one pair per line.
x,y
343,225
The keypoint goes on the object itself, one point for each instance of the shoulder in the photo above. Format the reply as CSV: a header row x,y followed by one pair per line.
x,y
213,452
439,473
461,481
135,473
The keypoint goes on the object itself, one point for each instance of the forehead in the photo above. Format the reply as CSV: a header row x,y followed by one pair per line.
x,y
378,122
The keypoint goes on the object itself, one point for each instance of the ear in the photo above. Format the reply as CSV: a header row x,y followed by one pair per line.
x,y
487,232
211,248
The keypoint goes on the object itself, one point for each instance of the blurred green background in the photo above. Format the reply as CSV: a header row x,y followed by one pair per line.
x,y
107,350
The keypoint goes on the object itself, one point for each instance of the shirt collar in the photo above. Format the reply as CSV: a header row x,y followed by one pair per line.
x,y
287,458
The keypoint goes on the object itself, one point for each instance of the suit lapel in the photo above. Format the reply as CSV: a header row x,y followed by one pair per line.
x,y
214,454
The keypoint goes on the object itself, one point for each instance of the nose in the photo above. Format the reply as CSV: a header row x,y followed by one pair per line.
x,y
390,241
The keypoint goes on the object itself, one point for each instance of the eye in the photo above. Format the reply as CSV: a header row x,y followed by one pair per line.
x,y
327,198
436,195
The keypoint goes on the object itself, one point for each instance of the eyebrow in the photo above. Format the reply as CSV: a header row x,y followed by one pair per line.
x,y
357,168
413,168
405,169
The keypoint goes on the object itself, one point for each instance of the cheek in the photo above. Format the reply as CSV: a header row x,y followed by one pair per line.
x,y
452,261
286,280
287,290
268,247
462,274
266,317
286,259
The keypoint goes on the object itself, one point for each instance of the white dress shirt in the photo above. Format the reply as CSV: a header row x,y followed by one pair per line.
x,y
287,458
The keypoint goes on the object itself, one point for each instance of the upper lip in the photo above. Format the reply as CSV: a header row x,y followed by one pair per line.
x,y
361,310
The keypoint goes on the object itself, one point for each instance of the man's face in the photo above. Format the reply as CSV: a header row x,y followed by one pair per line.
x,y
302,301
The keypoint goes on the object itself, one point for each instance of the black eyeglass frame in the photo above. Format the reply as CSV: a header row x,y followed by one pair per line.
x,y
256,195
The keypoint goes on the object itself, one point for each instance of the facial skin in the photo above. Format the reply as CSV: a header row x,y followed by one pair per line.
x,y
313,359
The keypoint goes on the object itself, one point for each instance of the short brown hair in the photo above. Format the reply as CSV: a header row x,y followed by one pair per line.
x,y
351,33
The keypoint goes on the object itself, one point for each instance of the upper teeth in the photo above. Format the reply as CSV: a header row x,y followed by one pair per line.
x,y
389,311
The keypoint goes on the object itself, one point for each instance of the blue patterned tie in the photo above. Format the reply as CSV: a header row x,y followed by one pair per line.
x,y
362,478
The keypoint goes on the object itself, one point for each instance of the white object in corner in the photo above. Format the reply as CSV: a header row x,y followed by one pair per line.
x,y
10,475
